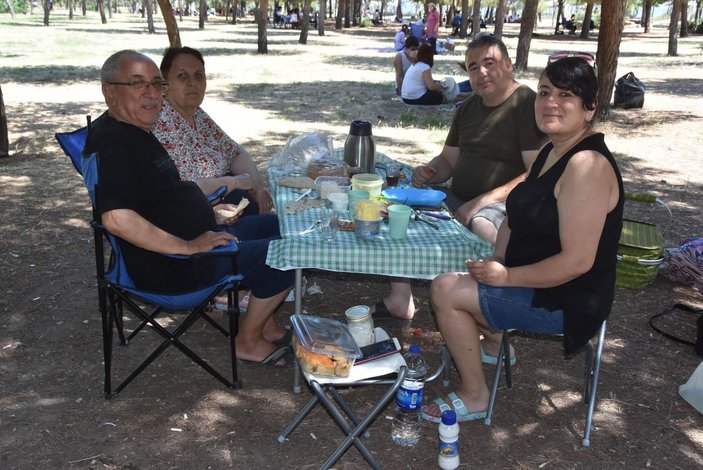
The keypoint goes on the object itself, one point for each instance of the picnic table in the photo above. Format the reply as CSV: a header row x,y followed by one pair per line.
x,y
423,254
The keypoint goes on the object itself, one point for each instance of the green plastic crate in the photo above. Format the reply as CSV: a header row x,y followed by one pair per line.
x,y
640,253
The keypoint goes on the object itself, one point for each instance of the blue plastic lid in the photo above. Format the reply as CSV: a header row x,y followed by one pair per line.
x,y
414,349
448,417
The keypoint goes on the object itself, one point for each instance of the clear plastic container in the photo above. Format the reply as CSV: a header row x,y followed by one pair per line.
x,y
324,346
326,185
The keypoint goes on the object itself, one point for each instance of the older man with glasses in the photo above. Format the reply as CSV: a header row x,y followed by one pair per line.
x,y
143,201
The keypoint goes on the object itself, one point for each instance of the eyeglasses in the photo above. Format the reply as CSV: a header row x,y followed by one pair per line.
x,y
141,84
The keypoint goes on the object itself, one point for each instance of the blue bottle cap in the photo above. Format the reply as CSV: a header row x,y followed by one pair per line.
x,y
415,349
448,417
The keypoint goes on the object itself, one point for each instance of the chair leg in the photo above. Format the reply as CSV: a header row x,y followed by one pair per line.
x,y
105,313
594,385
233,314
503,359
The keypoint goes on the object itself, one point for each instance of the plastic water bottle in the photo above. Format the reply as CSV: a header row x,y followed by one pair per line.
x,y
448,441
405,430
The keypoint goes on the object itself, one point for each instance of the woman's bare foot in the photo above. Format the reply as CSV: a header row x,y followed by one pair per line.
x,y
258,351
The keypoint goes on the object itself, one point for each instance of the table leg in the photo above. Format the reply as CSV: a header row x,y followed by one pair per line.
x,y
298,291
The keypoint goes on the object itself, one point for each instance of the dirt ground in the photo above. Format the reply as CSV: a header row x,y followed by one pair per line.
x,y
52,411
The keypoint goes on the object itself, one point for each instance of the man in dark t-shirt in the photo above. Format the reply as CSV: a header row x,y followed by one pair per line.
x,y
142,200
492,141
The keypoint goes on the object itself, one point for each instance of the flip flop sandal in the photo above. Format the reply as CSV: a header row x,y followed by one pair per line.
x,y
382,315
284,352
462,413
286,339
493,360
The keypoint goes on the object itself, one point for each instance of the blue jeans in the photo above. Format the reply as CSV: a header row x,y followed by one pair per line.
x,y
507,308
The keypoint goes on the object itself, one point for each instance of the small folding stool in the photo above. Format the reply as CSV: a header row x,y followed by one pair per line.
x,y
374,372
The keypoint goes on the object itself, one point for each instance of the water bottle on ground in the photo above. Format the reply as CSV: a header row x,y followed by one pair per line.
x,y
405,430
448,441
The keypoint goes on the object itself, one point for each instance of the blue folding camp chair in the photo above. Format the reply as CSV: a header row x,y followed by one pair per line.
x,y
117,290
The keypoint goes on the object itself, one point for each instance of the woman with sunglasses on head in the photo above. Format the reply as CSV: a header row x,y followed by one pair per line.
x,y
554,265
201,150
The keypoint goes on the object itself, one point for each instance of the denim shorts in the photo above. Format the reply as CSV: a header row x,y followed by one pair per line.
x,y
511,308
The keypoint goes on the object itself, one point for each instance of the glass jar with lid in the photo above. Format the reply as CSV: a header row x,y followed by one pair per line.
x,y
360,324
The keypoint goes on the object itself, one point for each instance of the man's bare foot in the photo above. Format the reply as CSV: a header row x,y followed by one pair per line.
x,y
400,308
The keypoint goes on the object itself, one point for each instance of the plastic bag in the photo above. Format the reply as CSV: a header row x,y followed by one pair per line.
x,y
685,263
299,151
692,391
629,92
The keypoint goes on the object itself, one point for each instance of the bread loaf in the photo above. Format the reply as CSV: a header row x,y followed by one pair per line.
x,y
331,363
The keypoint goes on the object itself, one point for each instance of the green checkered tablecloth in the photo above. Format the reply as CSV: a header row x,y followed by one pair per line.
x,y
425,253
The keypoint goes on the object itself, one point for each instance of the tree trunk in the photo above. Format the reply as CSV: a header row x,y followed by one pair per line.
x,y
4,140
11,8
109,9
202,14
464,30
321,18
398,11
647,7
476,18
355,12
697,16
560,15
305,26
46,6
180,10
70,9
674,27
101,9
83,7
174,35
527,24
500,19
347,13
260,14
609,36
149,17
586,26
684,18
340,14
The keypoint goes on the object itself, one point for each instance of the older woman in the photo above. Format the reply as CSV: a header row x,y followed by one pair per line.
x,y
554,264
203,153
418,85
201,150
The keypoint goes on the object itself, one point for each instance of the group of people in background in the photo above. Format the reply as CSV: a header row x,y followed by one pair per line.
x,y
528,172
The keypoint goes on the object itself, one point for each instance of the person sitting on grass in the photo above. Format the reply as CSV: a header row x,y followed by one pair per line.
x,y
418,87
553,271
400,37
403,60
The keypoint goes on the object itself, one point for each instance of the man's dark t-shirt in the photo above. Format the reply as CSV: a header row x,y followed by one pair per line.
x,y
135,172
491,142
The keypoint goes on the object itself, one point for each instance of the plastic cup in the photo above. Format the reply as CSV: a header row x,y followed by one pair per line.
x,y
329,224
340,201
356,195
392,174
398,219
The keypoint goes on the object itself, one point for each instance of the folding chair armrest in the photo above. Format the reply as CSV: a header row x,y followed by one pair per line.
x,y
232,248
218,195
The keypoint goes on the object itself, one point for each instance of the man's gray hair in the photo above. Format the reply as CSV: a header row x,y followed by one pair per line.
x,y
108,72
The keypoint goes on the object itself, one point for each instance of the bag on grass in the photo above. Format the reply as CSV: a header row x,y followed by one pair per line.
x,y
629,92
692,391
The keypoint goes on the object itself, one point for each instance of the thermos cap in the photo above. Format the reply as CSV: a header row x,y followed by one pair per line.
x,y
359,127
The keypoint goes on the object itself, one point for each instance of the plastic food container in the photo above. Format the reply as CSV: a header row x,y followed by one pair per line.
x,y
368,182
324,346
326,185
367,229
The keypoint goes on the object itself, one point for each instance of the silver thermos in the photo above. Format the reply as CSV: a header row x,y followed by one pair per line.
x,y
359,148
